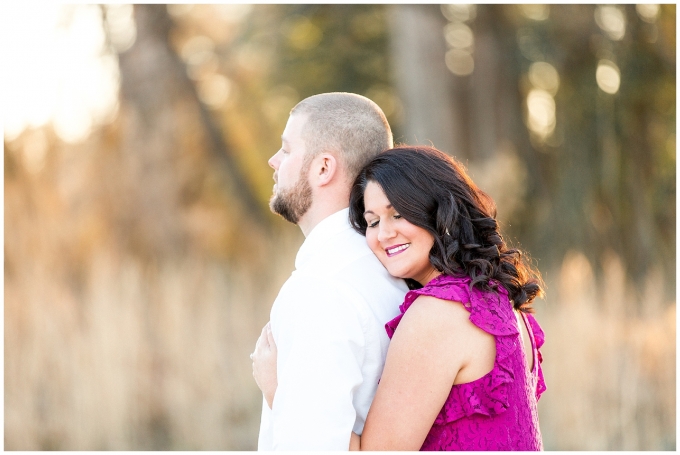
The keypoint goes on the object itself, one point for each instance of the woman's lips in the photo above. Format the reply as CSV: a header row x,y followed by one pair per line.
x,y
396,249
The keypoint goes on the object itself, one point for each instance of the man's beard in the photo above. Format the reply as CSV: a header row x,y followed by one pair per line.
x,y
292,204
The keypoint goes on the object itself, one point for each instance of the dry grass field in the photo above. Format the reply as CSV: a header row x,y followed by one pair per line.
x,y
155,356
609,361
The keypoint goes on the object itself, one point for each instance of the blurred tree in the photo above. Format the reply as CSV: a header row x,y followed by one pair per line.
x,y
421,78
599,169
162,108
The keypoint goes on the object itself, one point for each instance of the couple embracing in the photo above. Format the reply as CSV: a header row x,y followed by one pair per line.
x,y
400,245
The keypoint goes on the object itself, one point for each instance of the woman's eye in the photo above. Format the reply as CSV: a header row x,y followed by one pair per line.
x,y
372,224
397,216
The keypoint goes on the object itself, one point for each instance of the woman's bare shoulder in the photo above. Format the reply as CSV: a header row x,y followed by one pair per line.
x,y
439,320
439,324
438,311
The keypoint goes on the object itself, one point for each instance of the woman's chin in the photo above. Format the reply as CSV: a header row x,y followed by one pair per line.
x,y
397,273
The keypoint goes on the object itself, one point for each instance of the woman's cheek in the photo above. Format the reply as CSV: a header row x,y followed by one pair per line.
x,y
372,240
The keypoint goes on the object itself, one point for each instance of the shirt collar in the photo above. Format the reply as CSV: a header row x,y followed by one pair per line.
x,y
319,236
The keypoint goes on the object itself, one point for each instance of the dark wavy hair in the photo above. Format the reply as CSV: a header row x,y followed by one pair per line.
x,y
432,190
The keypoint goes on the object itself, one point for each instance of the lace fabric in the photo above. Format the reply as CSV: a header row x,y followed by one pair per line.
x,y
499,410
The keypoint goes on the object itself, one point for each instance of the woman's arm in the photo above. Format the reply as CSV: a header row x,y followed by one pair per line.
x,y
354,442
434,347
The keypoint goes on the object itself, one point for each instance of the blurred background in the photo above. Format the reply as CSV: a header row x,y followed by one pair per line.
x,y
141,259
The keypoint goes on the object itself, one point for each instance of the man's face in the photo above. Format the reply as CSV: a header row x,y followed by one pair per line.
x,y
292,194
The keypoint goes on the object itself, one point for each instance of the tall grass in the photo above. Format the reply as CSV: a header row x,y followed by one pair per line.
x,y
609,361
146,357
156,357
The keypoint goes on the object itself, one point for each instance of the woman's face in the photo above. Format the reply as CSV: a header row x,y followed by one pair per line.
x,y
403,248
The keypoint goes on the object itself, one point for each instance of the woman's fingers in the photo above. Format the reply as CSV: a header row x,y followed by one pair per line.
x,y
266,341
261,342
354,442
270,339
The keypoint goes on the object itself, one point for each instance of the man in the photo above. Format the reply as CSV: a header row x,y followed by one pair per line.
x,y
328,319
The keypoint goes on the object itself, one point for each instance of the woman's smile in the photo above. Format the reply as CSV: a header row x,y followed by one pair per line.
x,y
394,250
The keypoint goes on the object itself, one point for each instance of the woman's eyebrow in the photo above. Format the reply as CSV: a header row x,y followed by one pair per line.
x,y
388,206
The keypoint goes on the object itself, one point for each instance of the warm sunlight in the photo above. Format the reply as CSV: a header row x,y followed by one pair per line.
x,y
58,69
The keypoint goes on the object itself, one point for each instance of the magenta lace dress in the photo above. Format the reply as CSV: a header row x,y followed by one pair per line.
x,y
497,411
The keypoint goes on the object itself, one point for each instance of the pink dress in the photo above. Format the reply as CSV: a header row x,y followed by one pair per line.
x,y
499,410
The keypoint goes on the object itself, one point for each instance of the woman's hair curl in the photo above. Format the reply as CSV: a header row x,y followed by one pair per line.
x,y
432,190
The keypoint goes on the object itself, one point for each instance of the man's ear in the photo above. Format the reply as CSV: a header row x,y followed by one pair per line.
x,y
325,169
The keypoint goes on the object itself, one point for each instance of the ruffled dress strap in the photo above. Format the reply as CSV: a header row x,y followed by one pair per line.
x,y
492,312
539,338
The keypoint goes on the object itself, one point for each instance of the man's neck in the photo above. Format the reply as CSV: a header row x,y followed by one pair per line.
x,y
319,212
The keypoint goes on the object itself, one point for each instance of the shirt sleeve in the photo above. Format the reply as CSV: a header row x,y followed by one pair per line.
x,y
320,345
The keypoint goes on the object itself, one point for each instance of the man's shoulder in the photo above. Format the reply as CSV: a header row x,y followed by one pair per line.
x,y
361,286
338,261
344,275
356,272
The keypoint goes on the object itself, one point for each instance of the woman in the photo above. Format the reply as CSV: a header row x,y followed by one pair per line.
x,y
463,368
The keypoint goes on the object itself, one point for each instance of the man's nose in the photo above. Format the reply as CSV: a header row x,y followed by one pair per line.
x,y
274,161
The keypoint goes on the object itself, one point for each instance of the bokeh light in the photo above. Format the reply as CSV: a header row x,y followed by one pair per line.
x,y
544,76
648,12
214,90
608,76
535,12
199,55
541,112
459,12
459,62
459,36
612,21
120,26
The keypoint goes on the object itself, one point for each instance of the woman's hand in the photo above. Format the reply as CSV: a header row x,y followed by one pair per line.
x,y
264,364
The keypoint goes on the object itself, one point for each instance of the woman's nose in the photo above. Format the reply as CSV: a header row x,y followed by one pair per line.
x,y
386,232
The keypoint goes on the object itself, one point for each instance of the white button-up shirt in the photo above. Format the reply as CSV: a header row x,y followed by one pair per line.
x,y
328,324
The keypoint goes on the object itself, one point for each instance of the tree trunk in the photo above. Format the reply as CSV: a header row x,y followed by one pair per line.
x,y
161,112
417,50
